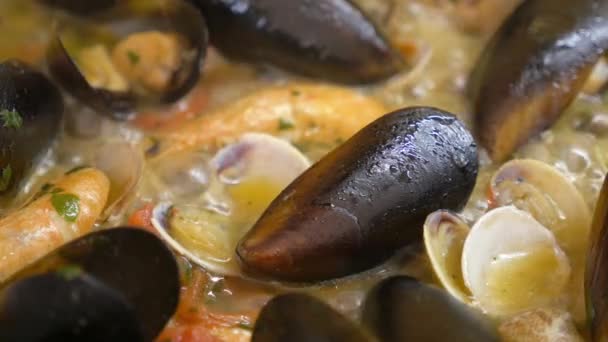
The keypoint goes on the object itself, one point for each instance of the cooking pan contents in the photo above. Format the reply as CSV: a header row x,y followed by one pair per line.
x,y
272,170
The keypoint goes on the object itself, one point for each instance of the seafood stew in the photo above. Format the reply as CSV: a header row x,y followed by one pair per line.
x,y
273,170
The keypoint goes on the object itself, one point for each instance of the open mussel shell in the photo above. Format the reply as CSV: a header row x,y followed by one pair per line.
x,y
53,307
596,276
329,39
533,67
130,267
31,111
402,308
366,199
300,318
176,27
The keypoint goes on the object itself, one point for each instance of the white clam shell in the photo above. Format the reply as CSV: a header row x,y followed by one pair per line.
x,y
511,263
444,237
254,157
552,199
160,221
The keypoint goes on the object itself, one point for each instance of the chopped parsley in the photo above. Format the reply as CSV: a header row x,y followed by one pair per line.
x,y
66,205
133,57
69,272
11,119
295,93
285,124
5,178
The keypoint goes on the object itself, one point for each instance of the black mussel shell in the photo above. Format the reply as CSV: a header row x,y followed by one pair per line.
x,y
596,276
31,111
55,307
129,266
123,20
328,39
403,309
302,318
532,69
366,199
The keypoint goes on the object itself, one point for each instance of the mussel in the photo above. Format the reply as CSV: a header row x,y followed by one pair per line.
x,y
366,199
402,308
328,39
298,317
31,110
118,284
131,56
533,67
596,276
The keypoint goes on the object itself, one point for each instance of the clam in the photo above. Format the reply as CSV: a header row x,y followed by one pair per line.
x,y
596,277
298,317
402,308
92,289
553,201
329,39
246,176
511,263
533,67
365,200
444,237
31,110
130,57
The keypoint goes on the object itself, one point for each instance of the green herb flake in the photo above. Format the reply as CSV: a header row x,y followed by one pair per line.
x,y
69,272
11,118
285,124
295,93
66,205
76,169
5,178
133,57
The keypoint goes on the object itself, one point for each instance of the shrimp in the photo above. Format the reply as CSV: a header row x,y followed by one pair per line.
x,y
299,112
62,212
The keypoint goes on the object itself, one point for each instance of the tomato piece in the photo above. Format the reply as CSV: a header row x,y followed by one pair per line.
x,y
142,218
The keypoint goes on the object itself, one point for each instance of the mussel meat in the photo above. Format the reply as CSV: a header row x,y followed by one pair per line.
x,y
366,199
132,57
31,110
298,317
402,308
106,269
533,67
328,39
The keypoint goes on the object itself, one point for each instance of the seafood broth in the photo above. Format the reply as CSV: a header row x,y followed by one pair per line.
x,y
188,150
